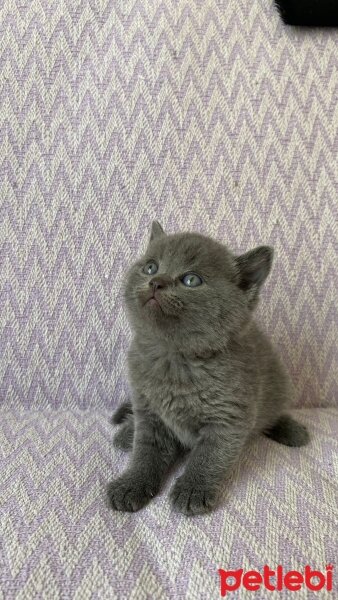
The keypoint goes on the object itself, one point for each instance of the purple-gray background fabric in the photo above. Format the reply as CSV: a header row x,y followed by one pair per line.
x,y
58,539
207,115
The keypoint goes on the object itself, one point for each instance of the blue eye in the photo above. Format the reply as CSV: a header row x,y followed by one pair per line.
x,y
192,280
150,268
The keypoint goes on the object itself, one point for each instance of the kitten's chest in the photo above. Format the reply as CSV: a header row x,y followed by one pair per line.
x,y
171,387
165,376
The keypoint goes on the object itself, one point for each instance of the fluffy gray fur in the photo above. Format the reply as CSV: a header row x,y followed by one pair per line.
x,y
204,378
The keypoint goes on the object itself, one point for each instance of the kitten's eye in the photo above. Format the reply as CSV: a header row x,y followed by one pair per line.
x,y
192,280
150,268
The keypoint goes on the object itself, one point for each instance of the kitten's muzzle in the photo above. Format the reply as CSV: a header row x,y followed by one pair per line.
x,y
160,282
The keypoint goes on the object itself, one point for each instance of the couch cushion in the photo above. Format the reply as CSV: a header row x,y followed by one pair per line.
x,y
59,539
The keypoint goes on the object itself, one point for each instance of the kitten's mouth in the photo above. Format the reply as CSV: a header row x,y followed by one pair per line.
x,y
158,305
153,302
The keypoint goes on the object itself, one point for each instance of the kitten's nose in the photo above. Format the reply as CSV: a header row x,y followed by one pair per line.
x,y
160,282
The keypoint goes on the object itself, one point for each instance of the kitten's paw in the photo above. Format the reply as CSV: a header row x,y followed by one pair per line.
x,y
128,494
124,411
192,498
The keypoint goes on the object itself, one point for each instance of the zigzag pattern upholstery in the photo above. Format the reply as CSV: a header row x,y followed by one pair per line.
x,y
207,115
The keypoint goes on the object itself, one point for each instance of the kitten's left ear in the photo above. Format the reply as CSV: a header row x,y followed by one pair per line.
x,y
253,268
156,231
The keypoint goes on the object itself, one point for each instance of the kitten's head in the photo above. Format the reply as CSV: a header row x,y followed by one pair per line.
x,y
191,290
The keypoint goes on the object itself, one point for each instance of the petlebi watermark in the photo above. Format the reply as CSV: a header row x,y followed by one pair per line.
x,y
276,579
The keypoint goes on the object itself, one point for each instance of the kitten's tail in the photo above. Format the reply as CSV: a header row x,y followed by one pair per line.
x,y
287,431
122,413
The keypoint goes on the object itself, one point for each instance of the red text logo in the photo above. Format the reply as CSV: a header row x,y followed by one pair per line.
x,y
276,580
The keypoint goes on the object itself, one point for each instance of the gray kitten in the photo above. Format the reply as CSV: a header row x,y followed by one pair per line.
x,y
204,378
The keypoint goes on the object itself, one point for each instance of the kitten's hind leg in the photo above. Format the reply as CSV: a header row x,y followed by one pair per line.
x,y
124,436
288,432
122,412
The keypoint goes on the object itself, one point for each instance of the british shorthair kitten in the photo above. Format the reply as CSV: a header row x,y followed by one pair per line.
x,y
204,378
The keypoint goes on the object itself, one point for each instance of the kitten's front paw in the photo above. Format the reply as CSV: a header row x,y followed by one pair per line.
x,y
192,498
129,494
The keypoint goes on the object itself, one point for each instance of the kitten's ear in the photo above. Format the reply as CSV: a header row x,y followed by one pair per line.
x,y
253,268
156,231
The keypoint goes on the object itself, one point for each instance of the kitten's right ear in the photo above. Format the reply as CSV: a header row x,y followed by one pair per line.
x,y
253,268
156,231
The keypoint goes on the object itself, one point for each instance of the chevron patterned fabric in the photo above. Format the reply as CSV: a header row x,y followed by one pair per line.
x,y
59,540
207,115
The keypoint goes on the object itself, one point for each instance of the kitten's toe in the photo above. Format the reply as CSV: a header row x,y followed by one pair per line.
x,y
123,411
192,498
129,495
